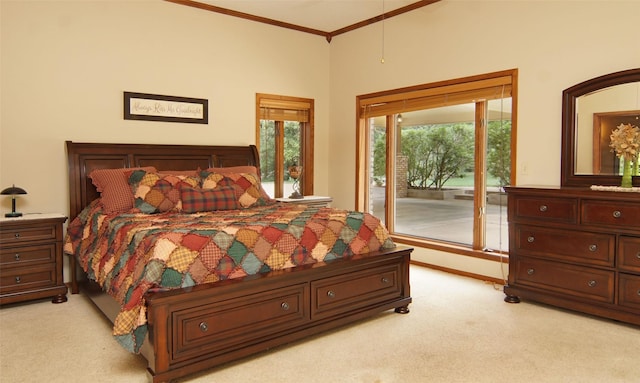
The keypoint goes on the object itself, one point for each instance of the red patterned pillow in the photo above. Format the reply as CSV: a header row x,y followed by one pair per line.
x,y
115,192
157,192
249,191
195,200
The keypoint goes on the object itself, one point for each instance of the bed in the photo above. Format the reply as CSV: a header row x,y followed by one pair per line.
x,y
190,327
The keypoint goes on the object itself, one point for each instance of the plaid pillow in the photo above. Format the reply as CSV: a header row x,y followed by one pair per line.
x,y
196,200
249,191
157,192
115,192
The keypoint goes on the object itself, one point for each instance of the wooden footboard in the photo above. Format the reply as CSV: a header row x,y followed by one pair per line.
x,y
205,326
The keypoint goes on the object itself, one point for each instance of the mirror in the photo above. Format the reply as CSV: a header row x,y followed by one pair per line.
x,y
590,110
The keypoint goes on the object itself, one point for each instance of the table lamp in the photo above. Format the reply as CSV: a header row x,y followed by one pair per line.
x,y
13,191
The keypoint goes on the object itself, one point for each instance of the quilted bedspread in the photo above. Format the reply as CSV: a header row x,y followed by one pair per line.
x,y
130,254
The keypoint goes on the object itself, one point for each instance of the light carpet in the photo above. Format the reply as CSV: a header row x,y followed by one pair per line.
x,y
459,330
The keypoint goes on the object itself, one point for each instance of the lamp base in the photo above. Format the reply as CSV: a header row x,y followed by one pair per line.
x,y
296,195
13,215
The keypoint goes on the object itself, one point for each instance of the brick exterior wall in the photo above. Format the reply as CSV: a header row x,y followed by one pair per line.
x,y
402,166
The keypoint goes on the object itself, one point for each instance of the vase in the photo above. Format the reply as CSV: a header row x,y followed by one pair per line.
x,y
626,174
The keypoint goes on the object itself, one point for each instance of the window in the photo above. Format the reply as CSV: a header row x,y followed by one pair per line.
x,y
433,158
284,133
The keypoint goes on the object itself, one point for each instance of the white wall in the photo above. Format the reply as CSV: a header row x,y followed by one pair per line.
x,y
65,64
554,45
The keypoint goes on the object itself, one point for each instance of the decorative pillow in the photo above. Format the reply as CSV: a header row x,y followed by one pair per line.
x,y
235,169
115,192
249,191
157,192
195,200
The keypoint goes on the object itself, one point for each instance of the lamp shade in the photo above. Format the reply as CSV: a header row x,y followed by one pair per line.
x,y
13,190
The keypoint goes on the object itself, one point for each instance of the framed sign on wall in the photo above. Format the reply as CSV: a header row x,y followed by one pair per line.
x,y
155,107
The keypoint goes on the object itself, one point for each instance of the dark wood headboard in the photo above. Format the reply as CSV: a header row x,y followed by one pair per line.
x,y
85,157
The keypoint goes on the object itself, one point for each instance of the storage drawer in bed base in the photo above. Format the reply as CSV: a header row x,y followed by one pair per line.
x,y
185,339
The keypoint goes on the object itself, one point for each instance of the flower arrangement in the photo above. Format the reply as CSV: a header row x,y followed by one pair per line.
x,y
625,141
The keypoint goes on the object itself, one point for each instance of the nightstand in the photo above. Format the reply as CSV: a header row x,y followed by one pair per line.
x,y
311,200
31,258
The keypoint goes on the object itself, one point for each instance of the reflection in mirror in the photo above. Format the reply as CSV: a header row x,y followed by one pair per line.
x,y
590,111
597,114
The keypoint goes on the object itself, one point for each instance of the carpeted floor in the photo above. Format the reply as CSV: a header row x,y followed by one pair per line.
x,y
459,330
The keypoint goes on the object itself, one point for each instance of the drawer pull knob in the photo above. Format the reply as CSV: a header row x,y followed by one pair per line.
x,y
543,208
530,271
17,235
384,280
617,214
284,306
331,294
593,248
530,239
592,283
638,292
17,256
204,327
638,255
18,280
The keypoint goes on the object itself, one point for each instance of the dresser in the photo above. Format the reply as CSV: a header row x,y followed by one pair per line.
x,y
577,249
31,258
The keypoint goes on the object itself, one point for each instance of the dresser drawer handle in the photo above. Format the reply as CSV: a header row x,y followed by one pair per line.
x,y
18,280
530,271
592,283
17,256
638,255
17,235
384,280
639,292
593,248
543,208
284,306
331,294
531,238
617,214
204,327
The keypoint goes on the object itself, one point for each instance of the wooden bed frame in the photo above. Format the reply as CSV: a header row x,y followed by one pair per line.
x,y
197,328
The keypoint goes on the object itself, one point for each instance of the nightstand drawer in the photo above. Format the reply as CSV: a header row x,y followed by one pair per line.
x,y
13,280
33,232
27,255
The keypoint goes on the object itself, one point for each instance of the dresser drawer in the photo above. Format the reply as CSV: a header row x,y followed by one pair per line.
x,y
629,294
222,325
23,279
611,213
27,255
352,291
548,209
567,245
629,253
566,279
28,233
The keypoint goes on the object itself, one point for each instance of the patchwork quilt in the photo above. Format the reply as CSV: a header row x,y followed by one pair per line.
x,y
129,254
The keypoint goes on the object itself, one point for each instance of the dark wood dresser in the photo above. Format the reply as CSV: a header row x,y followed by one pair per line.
x,y
577,249
31,258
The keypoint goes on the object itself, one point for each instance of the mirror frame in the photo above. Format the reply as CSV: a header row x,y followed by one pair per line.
x,y
568,178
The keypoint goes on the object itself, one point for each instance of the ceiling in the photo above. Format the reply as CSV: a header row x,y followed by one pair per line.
x,y
322,17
